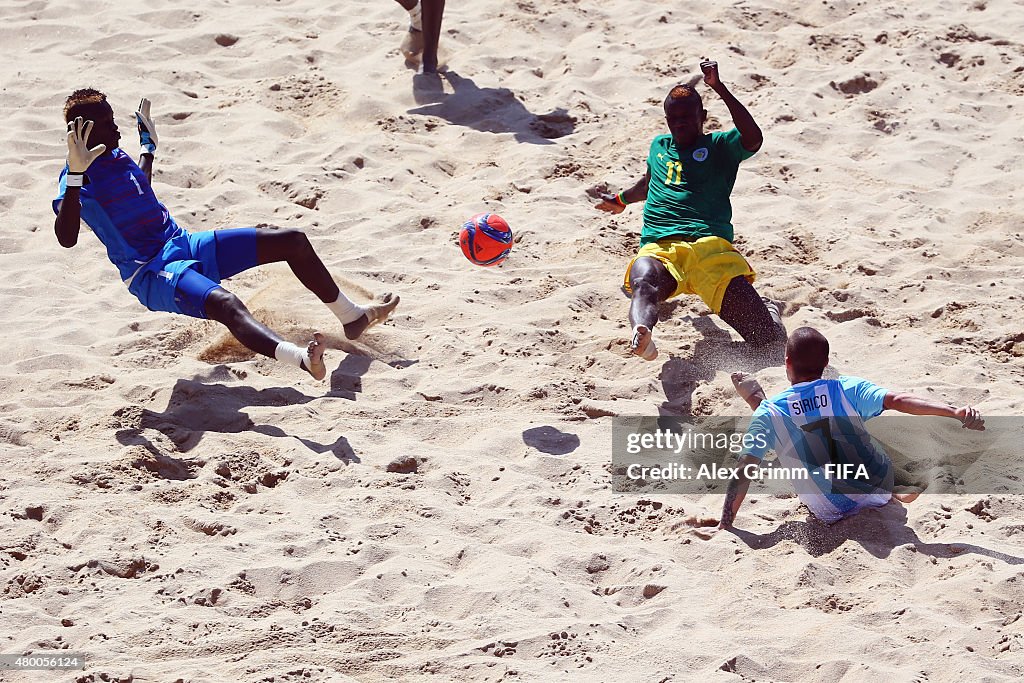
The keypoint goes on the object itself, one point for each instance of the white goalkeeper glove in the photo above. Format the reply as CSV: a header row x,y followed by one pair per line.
x,y
147,129
80,156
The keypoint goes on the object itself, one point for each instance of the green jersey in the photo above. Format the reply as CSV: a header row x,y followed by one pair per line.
x,y
688,192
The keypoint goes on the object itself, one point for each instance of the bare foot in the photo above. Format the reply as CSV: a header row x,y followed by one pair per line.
x,y
643,343
412,46
907,495
314,363
375,314
748,388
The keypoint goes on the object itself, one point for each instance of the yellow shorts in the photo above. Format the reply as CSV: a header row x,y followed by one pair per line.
x,y
704,267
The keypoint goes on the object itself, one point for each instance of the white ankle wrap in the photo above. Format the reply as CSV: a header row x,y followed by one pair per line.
x,y
289,353
345,310
416,17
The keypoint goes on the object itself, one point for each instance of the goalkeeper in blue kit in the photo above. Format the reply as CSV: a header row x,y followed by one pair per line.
x,y
173,270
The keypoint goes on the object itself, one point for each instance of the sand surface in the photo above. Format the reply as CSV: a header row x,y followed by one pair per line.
x,y
179,510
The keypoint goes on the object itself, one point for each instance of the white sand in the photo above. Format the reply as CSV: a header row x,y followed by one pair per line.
x,y
178,510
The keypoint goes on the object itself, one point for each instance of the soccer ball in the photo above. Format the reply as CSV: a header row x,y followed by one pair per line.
x,y
486,239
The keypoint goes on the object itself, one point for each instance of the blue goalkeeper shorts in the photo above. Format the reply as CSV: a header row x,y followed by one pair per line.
x,y
190,266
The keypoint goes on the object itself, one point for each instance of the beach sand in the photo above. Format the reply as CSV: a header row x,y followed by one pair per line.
x,y
179,510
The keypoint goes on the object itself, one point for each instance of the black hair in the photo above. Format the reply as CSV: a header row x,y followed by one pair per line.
x,y
686,93
808,352
79,100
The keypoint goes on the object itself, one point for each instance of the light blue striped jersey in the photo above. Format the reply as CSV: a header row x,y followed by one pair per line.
x,y
819,426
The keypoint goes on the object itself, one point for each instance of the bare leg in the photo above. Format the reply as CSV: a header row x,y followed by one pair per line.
x,y
293,247
747,313
433,12
228,309
651,283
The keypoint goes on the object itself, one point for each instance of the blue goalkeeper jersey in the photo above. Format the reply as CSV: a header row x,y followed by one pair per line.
x,y
120,207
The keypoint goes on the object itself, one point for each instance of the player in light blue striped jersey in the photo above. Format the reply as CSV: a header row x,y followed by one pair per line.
x,y
817,426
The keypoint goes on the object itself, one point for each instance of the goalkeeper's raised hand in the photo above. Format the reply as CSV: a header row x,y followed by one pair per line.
x,y
147,129
80,157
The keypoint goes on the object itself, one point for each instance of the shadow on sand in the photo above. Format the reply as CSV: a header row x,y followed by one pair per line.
x,y
489,110
196,408
878,531
550,440
714,351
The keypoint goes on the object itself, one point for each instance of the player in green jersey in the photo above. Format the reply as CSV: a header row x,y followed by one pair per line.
x,y
686,241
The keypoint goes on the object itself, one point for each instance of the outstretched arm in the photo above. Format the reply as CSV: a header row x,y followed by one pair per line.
x,y
750,134
736,491
750,391
80,157
616,203
919,405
